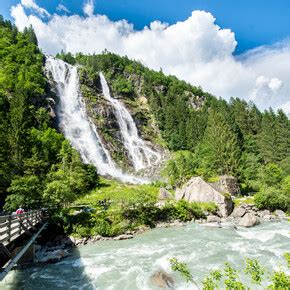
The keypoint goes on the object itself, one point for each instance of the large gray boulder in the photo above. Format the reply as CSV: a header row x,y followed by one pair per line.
x,y
197,190
162,280
227,183
249,220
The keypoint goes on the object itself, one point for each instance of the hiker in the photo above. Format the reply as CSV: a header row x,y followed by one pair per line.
x,y
20,210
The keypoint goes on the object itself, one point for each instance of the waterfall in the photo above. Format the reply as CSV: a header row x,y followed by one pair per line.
x,y
75,123
140,153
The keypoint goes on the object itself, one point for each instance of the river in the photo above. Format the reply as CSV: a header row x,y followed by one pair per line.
x,y
129,264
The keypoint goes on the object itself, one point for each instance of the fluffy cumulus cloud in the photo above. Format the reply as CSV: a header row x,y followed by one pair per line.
x,y
196,50
89,7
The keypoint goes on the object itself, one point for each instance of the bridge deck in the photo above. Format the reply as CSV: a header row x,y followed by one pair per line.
x,y
12,228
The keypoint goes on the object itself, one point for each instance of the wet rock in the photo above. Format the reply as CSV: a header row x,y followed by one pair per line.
x,y
72,239
67,241
123,237
162,280
264,213
249,220
176,223
213,219
54,256
197,190
280,214
238,212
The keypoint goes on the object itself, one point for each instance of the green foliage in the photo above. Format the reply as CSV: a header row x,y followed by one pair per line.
x,y
186,211
232,280
211,282
270,175
181,268
287,258
229,278
180,168
220,151
272,199
255,270
280,280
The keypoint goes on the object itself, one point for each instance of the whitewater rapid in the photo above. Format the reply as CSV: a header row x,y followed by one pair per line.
x,y
129,264
77,126
140,153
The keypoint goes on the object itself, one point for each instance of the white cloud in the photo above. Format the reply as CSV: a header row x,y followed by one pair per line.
x,y
88,7
61,7
32,5
196,50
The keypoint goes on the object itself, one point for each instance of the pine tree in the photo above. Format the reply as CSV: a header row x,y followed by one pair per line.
x,y
282,136
222,147
267,137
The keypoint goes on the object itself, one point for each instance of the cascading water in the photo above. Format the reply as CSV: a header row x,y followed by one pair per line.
x,y
141,154
75,124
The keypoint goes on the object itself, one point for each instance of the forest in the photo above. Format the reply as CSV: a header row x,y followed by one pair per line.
x,y
207,136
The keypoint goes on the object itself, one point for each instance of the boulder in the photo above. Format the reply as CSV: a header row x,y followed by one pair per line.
x,y
123,237
249,220
238,212
213,219
197,190
162,280
227,183
264,213
54,256
280,214
164,194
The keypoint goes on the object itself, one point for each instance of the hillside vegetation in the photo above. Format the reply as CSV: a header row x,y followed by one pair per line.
x,y
207,136
38,167
210,136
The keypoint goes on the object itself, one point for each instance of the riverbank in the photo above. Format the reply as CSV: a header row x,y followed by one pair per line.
x,y
243,216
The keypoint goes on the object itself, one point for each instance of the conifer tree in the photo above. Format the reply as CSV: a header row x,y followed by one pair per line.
x,y
222,147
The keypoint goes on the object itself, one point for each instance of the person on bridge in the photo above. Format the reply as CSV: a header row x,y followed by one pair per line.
x,y
20,210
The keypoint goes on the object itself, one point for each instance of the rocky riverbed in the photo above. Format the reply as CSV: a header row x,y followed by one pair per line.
x,y
244,215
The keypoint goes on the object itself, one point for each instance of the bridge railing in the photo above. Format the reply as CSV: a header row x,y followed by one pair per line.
x,y
13,226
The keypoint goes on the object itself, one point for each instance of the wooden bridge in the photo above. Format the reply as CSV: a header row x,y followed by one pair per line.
x,y
17,235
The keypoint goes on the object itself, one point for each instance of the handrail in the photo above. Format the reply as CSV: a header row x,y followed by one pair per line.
x,y
14,225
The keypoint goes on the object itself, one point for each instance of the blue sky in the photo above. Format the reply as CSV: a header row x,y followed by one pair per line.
x,y
254,22
237,48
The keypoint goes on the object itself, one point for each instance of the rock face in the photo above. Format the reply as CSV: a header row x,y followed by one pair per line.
x,y
162,280
164,194
227,184
249,220
197,190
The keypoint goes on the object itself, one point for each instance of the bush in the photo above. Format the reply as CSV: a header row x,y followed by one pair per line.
x,y
186,211
272,199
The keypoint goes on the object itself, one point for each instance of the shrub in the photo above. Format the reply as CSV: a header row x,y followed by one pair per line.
x,y
271,199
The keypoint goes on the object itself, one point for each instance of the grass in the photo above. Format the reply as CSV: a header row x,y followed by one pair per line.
x,y
117,192
248,200
213,179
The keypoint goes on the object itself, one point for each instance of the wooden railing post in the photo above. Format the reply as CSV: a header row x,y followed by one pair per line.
x,y
9,228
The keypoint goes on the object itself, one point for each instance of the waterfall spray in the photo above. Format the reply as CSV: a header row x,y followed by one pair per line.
x,y
76,125
140,153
